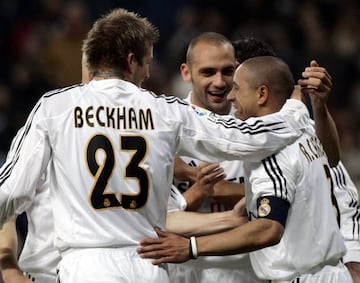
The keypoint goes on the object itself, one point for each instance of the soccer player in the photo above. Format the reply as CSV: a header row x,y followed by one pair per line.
x,y
287,195
110,146
38,258
344,190
209,68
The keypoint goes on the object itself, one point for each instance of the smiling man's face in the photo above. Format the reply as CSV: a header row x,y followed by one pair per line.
x,y
211,73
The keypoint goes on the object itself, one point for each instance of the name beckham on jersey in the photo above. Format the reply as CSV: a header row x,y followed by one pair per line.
x,y
113,117
312,149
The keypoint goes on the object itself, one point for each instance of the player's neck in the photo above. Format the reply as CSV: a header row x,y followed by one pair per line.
x,y
107,74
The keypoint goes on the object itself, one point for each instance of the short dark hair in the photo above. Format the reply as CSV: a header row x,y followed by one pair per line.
x,y
114,36
249,47
208,37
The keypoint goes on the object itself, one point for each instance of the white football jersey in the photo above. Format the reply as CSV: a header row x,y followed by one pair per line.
x,y
111,145
348,211
212,268
299,174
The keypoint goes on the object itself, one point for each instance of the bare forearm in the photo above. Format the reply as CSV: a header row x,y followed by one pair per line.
x,y
183,171
8,253
189,223
317,83
194,197
327,132
8,245
170,247
249,237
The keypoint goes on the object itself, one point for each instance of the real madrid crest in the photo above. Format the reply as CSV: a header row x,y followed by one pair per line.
x,y
264,208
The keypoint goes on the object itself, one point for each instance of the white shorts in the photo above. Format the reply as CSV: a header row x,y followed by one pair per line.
x,y
40,277
185,273
108,266
328,274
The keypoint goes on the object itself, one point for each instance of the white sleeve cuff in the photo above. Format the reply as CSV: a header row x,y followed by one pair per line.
x,y
176,201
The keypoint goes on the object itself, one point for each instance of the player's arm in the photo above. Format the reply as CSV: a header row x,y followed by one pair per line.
x,y
171,247
250,140
10,269
228,193
190,223
317,84
264,230
183,171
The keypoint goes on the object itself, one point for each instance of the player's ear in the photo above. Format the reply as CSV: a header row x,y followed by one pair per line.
x,y
263,94
131,62
185,73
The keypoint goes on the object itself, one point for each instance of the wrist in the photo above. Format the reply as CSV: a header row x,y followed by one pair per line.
x,y
318,103
193,252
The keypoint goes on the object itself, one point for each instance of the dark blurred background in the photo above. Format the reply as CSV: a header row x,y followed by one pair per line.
x,y
40,44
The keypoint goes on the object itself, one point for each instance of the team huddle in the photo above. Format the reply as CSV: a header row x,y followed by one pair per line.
x,y
235,183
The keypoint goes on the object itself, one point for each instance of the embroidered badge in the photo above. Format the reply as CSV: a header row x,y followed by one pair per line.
x,y
200,111
264,208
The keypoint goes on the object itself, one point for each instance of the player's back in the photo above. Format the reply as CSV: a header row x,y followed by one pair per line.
x,y
108,144
299,174
113,147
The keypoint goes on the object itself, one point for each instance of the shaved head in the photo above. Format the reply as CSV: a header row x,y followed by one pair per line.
x,y
272,72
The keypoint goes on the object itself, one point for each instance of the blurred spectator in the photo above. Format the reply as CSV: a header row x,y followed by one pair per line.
x,y
62,54
6,130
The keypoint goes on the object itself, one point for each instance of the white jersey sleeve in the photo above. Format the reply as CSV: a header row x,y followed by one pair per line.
x,y
20,157
249,140
176,202
110,149
38,254
349,211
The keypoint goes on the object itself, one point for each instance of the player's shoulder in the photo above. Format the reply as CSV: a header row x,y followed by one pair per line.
x,y
60,95
166,99
56,93
55,101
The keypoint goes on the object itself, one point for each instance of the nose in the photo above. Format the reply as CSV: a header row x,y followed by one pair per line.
x,y
230,96
147,74
219,80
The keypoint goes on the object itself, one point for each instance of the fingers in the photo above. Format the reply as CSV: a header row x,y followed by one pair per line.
x,y
316,84
162,260
151,241
168,248
210,173
314,71
154,253
316,78
160,232
313,63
